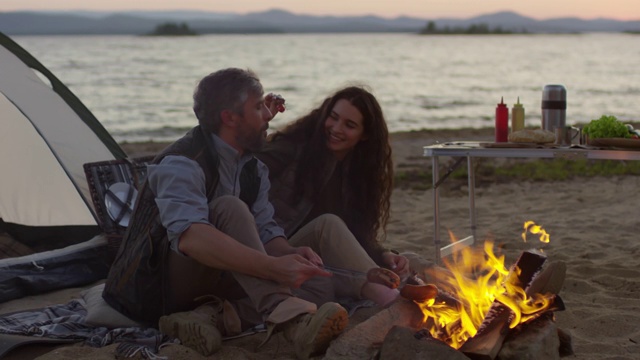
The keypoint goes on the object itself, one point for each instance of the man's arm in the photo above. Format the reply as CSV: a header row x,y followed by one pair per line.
x,y
263,211
279,246
211,247
179,186
272,235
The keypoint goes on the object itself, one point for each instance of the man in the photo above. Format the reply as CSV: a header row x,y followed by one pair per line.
x,y
194,257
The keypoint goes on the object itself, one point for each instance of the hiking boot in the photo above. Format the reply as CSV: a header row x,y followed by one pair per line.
x,y
202,328
311,334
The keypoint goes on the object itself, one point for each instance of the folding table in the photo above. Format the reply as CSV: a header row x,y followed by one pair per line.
x,y
476,149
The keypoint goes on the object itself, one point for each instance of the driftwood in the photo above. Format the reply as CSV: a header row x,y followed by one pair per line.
x,y
491,334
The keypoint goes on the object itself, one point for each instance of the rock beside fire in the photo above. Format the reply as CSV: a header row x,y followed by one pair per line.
x,y
566,344
404,343
538,339
535,340
363,340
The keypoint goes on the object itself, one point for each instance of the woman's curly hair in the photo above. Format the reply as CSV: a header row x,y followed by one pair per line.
x,y
369,175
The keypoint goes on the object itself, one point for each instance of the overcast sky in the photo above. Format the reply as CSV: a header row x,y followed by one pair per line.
x,y
539,9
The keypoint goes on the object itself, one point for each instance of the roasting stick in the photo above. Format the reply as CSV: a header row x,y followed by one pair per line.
x,y
419,291
345,272
380,276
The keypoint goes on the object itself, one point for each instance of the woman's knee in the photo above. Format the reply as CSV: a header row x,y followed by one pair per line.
x,y
332,231
329,220
317,290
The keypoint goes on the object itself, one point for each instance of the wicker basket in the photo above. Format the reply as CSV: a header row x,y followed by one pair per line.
x,y
100,176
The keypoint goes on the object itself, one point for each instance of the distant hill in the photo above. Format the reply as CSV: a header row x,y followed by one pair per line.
x,y
277,21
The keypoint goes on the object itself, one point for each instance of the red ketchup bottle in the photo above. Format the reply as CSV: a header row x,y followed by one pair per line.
x,y
502,122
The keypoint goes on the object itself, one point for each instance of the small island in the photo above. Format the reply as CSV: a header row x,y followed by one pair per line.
x,y
173,29
474,29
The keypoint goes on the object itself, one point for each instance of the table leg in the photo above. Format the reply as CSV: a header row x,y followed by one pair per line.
x,y
472,196
436,207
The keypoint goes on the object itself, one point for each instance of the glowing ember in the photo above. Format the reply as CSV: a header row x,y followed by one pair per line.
x,y
477,278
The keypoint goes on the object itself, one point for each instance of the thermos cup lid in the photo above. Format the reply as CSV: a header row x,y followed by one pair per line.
x,y
554,97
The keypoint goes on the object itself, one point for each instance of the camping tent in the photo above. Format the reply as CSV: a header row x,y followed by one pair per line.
x,y
45,205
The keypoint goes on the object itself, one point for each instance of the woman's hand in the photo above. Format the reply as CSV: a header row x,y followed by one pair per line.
x,y
275,103
398,263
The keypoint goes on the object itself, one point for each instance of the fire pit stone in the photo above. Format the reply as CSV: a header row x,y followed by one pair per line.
x,y
401,343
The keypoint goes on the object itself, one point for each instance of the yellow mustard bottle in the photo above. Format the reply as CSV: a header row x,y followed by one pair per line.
x,y
517,116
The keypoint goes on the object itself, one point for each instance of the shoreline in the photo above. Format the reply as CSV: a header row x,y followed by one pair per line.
x,y
406,145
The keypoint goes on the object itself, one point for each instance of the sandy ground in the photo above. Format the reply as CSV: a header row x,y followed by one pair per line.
x,y
592,223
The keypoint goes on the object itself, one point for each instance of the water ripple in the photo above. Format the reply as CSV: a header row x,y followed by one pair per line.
x,y
140,88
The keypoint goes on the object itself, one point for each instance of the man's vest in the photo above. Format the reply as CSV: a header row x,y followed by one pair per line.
x,y
138,278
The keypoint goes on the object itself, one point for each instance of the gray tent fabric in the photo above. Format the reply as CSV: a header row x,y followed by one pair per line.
x,y
75,265
45,203
47,136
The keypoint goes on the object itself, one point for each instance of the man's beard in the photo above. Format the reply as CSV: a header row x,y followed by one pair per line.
x,y
252,141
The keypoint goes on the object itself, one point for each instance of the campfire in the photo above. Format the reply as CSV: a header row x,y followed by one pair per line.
x,y
479,308
480,298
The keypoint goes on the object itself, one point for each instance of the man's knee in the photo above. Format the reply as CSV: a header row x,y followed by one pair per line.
x,y
232,216
229,207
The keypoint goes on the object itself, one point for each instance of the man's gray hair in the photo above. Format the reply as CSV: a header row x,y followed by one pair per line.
x,y
226,89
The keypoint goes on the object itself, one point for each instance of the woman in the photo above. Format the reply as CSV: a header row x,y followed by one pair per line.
x,y
337,160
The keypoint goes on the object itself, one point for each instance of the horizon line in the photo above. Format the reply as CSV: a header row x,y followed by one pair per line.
x,y
316,15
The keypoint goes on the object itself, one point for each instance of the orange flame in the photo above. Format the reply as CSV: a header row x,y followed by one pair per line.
x,y
530,226
477,278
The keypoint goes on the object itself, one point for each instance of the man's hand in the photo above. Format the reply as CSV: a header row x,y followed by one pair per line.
x,y
308,253
275,103
293,270
279,246
399,264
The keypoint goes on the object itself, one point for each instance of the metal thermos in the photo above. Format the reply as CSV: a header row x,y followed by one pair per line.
x,y
554,107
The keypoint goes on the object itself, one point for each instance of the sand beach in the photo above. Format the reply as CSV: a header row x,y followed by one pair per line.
x,y
592,223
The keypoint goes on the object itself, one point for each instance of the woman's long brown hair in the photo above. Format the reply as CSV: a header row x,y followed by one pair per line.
x,y
370,173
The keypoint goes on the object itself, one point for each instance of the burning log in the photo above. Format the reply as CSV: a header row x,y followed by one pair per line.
x,y
550,280
491,334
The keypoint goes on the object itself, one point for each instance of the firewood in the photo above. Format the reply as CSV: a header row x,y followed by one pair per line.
x,y
491,334
550,279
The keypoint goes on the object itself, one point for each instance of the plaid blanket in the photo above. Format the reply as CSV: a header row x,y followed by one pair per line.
x,y
67,321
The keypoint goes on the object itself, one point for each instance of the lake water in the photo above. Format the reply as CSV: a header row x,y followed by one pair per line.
x,y
140,88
